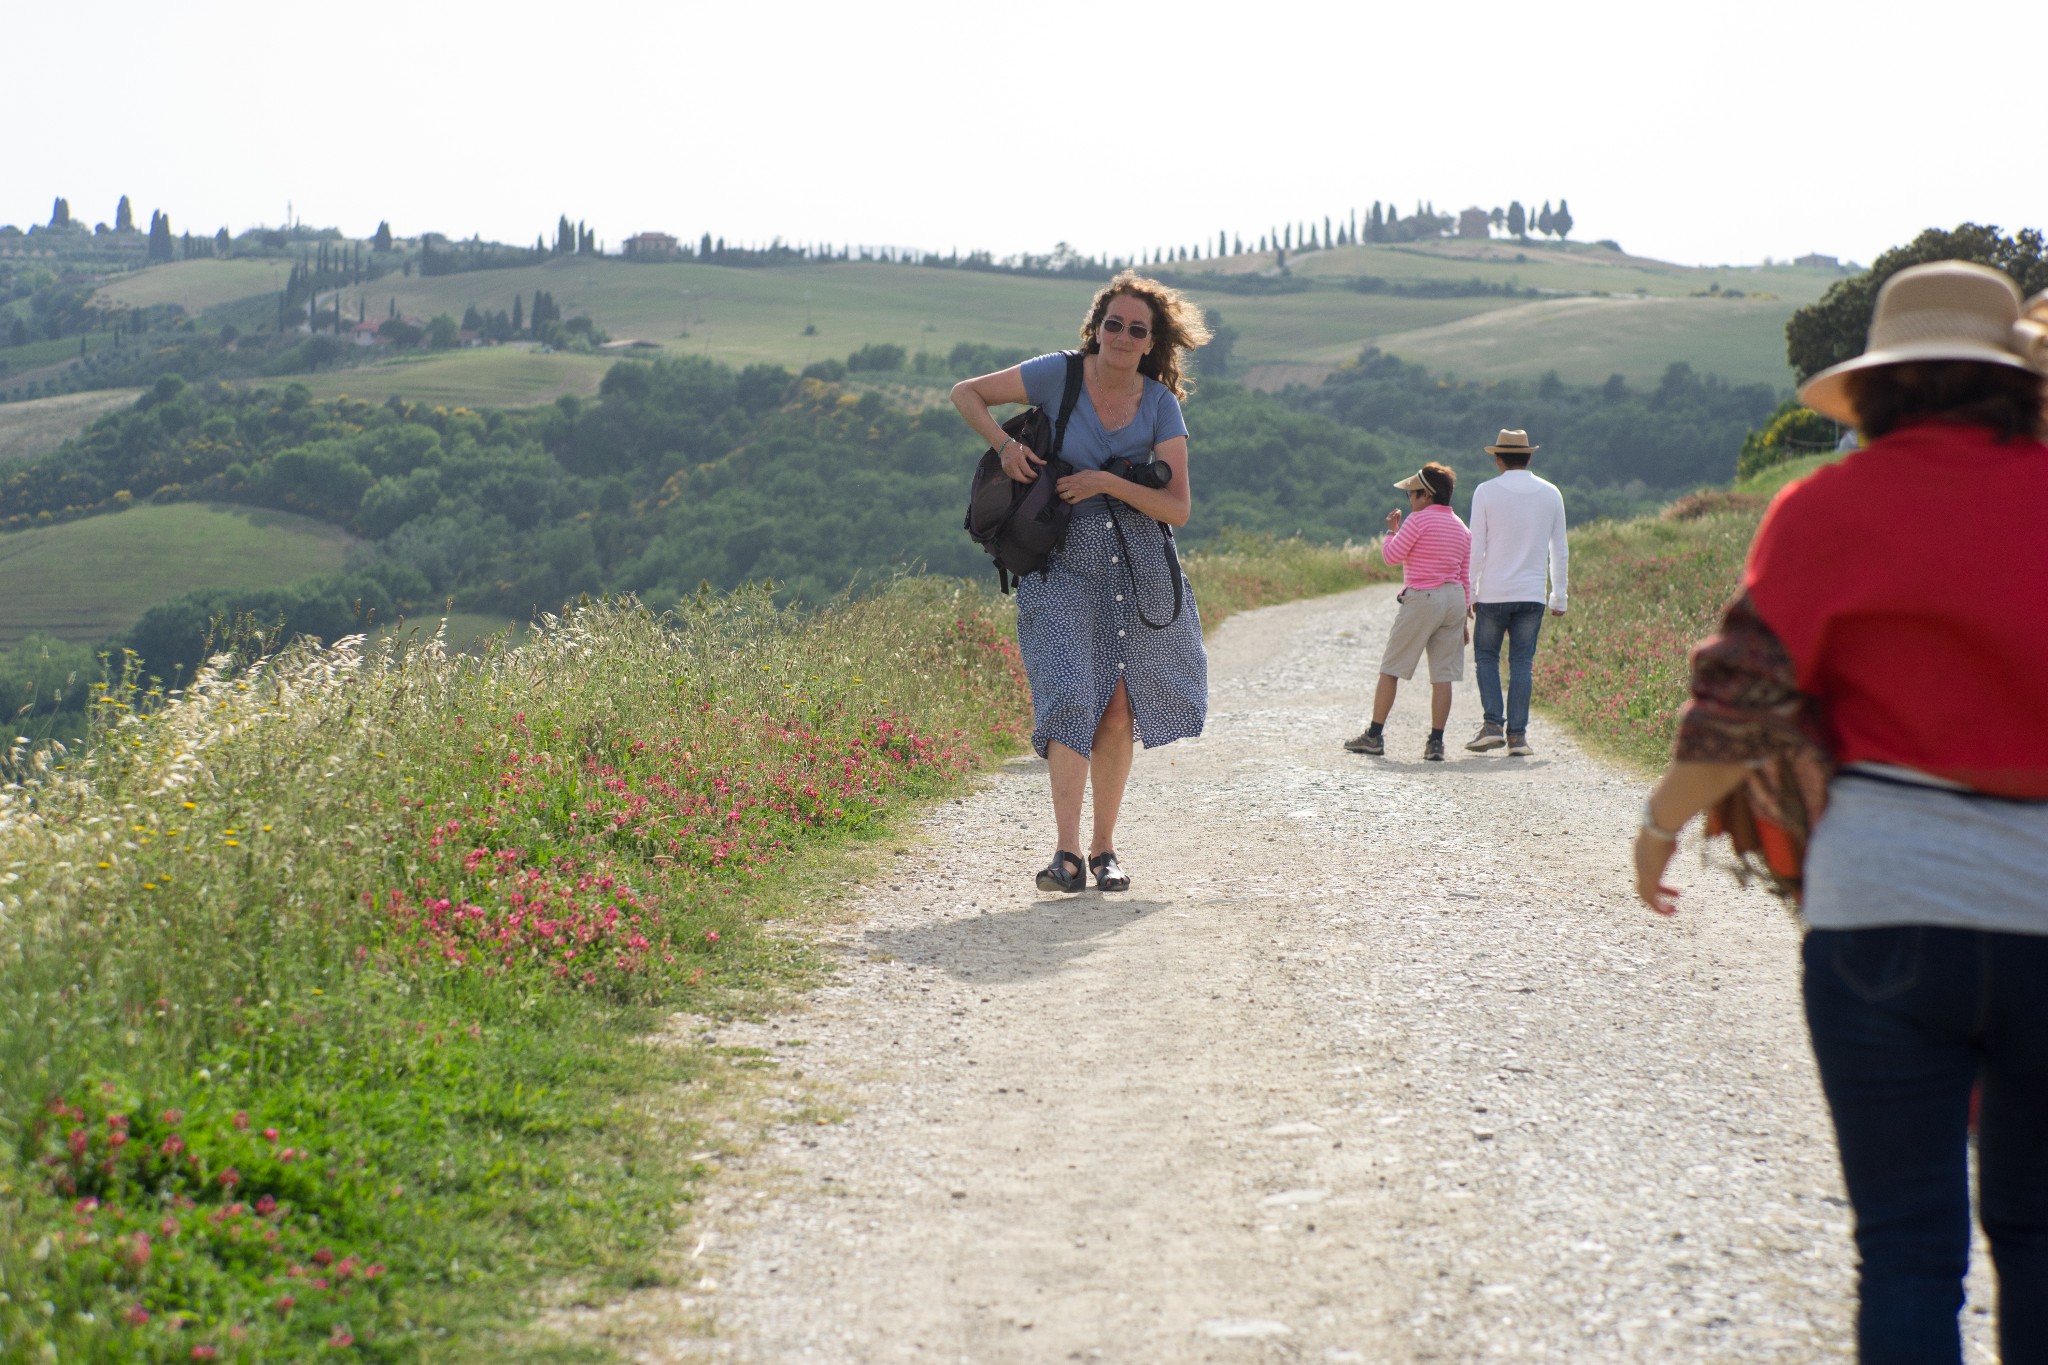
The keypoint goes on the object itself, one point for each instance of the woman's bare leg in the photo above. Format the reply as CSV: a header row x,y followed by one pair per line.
x,y
1110,769
1069,781
1439,705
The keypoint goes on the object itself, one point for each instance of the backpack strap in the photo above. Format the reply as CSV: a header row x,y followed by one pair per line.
x,y
1069,396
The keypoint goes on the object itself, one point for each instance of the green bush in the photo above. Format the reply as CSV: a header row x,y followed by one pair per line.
x,y
1793,431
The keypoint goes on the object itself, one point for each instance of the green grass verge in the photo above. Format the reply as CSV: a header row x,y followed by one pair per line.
x,y
1257,571
324,988
90,579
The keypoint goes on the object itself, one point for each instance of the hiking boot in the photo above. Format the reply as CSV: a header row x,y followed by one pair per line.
x,y
1433,749
1367,743
1518,746
1489,737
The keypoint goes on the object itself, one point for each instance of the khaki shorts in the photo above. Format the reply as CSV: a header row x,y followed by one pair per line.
x,y
1431,619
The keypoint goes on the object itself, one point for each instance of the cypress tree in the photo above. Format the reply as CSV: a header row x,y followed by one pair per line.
x,y
1545,223
60,212
518,313
1562,220
124,216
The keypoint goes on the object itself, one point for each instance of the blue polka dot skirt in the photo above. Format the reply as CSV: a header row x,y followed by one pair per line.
x,y
1079,633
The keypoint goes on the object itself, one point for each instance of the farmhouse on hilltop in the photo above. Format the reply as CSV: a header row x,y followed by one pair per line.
x,y
652,246
1818,261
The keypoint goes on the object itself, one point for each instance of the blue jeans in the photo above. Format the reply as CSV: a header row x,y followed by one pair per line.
x,y
1519,622
1904,1021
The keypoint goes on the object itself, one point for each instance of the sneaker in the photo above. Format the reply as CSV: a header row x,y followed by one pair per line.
x,y
1433,749
1489,737
1367,743
1518,746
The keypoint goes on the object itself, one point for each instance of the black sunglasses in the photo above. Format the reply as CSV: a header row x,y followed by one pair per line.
x,y
1138,330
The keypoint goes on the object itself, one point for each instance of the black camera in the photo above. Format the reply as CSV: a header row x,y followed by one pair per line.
x,y
1151,474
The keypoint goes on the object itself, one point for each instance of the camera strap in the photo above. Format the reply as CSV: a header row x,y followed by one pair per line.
x,y
1131,569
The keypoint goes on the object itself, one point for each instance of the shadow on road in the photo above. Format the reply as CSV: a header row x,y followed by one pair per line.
x,y
1015,945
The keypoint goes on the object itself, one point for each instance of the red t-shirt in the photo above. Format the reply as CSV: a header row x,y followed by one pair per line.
x,y
1909,583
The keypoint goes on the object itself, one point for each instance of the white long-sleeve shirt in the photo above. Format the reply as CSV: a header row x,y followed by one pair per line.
x,y
1518,525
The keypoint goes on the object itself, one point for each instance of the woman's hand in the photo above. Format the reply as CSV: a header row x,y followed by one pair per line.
x,y
1086,483
1393,521
1653,856
1686,789
1021,462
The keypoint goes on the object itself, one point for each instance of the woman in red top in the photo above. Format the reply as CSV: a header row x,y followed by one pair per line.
x,y
1888,666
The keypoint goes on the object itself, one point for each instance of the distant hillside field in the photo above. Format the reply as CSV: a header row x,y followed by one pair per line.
x,y
86,580
1587,339
42,424
744,315
195,286
484,376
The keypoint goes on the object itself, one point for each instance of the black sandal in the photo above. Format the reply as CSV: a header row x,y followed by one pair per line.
x,y
1064,873
1109,875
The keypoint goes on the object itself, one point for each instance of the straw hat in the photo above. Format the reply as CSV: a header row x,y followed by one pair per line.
x,y
1946,310
1511,443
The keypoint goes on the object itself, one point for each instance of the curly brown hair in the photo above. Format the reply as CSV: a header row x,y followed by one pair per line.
x,y
1177,328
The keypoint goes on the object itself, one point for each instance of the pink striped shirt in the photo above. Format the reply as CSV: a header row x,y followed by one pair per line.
x,y
1433,548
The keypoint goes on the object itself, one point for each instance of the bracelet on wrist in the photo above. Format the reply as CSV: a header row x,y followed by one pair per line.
x,y
1005,446
1655,830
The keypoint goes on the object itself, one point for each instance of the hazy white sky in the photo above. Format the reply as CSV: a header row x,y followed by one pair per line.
x,y
1698,133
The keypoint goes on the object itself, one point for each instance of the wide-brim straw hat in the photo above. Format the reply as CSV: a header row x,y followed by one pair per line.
x,y
1945,310
1515,442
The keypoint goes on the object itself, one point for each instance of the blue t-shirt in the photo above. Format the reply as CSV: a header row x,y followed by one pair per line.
x,y
1089,444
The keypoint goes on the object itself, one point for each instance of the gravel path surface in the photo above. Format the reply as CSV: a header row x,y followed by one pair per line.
x,y
1378,1061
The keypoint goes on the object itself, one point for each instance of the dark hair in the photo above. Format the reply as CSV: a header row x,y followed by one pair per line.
x,y
1518,460
2005,399
1442,481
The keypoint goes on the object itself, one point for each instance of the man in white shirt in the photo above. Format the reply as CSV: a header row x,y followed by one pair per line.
x,y
1517,529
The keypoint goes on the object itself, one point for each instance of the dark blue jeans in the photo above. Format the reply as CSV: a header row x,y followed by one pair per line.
x,y
1904,1021
1520,622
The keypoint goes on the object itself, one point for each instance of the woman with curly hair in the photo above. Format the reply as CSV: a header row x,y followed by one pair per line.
x,y
1875,692
1102,666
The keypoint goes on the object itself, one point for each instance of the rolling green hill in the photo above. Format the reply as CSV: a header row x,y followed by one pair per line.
x,y
746,315
484,376
90,579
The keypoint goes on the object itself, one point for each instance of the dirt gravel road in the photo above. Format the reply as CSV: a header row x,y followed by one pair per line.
x,y
1377,1061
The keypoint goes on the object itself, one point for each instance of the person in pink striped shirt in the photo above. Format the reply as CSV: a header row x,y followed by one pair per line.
x,y
1434,550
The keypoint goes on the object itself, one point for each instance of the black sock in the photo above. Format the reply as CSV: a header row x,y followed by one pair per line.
x,y
1437,735
1373,729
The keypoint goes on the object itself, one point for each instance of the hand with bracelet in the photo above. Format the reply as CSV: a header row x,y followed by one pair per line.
x,y
1683,792
1019,461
